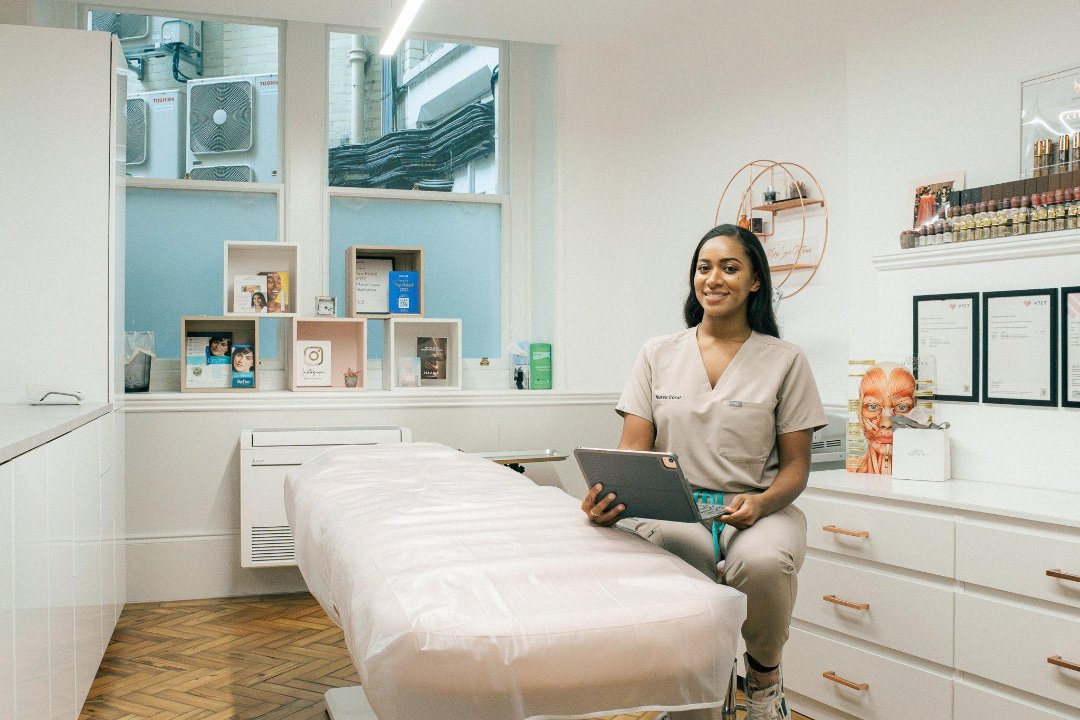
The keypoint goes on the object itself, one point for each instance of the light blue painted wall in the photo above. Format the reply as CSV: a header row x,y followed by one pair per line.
x,y
175,252
462,244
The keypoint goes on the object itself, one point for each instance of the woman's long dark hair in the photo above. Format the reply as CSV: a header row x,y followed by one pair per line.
x,y
759,311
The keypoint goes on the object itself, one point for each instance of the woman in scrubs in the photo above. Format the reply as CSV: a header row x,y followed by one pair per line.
x,y
738,405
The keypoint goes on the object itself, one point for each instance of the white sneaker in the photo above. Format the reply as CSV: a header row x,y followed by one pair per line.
x,y
765,703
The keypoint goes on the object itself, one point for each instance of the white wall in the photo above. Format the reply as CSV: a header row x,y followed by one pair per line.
x,y
650,128
932,88
183,497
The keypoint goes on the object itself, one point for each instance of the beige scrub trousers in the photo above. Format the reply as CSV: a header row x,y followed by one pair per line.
x,y
725,438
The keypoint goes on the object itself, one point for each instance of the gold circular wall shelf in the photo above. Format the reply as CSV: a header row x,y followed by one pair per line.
x,y
749,176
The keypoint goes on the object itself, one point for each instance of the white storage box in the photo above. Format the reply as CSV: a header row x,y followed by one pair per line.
x,y
921,454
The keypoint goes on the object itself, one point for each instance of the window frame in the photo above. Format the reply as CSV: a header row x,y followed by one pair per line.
x,y
508,245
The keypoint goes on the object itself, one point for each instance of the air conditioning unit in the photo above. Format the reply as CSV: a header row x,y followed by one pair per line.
x,y
266,455
155,133
144,35
127,27
233,128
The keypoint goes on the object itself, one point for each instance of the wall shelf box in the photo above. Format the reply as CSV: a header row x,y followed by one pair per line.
x,y
400,342
244,332
348,348
404,258
254,257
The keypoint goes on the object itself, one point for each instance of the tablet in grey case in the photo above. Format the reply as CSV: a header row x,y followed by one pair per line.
x,y
650,484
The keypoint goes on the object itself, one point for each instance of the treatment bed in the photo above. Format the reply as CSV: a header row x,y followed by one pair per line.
x,y
467,592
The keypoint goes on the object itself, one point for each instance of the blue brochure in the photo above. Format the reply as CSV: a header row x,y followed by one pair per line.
x,y
405,292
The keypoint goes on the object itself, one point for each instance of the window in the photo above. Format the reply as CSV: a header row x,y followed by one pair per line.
x,y
202,97
423,119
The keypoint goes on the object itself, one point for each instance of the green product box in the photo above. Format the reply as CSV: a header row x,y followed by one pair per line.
x,y
540,366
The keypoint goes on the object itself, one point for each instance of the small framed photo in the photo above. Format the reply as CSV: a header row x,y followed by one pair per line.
x,y
326,306
932,196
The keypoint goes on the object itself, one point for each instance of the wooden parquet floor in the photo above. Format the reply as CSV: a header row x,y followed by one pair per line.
x,y
258,658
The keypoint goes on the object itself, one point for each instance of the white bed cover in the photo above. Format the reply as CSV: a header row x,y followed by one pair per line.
x,y
467,592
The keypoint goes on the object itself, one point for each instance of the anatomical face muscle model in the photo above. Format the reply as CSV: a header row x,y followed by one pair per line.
x,y
886,390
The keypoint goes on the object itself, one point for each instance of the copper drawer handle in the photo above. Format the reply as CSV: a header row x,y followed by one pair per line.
x,y
1062,575
830,675
842,531
1056,660
845,603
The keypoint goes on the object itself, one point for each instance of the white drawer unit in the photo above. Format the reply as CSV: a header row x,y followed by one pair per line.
x,y
1040,565
983,704
953,601
863,683
266,455
901,537
1035,650
878,606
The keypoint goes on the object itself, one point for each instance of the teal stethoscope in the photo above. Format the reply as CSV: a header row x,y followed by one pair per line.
x,y
712,497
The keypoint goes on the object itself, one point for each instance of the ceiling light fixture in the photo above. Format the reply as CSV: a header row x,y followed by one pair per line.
x,y
400,26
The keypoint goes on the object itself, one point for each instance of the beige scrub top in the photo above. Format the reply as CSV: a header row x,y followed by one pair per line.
x,y
724,436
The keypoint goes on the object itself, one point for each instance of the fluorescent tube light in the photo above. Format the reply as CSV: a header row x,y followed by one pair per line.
x,y
400,26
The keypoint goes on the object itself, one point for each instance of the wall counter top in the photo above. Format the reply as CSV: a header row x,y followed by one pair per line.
x,y
25,427
1048,506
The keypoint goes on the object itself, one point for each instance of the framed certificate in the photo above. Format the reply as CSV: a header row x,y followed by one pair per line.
x,y
1070,346
946,328
1020,354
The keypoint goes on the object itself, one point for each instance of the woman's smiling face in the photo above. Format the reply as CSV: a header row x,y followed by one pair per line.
x,y
724,278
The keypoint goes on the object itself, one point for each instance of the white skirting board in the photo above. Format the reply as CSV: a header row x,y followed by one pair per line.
x,y
348,703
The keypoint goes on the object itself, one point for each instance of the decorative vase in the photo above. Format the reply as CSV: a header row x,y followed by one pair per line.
x,y
350,381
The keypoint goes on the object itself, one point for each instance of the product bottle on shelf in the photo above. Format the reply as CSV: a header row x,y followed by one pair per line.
x,y
966,219
980,221
1072,220
1002,227
1033,220
1013,206
1059,208
950,226
922,236
1048,223
1022,216
1006,213
990,221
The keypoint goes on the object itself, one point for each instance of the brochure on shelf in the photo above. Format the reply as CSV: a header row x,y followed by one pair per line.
x,y
277,290
405,292
432,354
540,366
207,356
313,358
243,366
249,294
371,293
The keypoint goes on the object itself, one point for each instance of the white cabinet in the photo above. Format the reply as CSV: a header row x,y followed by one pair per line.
x,y
54,618
62,458
7,598
31,585
954,593
61,234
